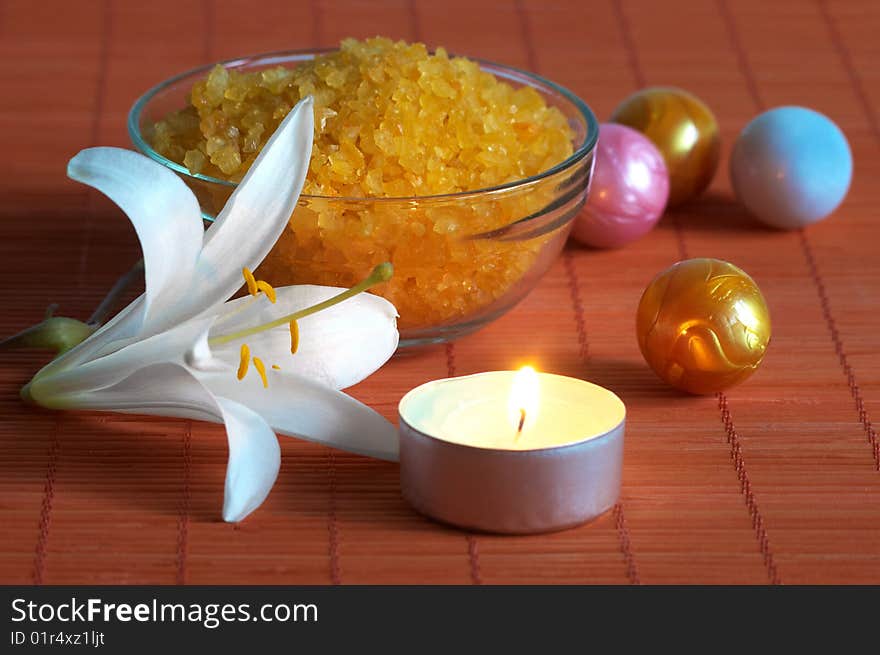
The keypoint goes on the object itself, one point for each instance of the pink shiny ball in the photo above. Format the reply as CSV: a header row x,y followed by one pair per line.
x,y
628,192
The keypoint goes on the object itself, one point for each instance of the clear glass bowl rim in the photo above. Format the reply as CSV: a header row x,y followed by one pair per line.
x,y
580,152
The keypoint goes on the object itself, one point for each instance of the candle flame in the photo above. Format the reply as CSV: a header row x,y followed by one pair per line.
x,y
522,408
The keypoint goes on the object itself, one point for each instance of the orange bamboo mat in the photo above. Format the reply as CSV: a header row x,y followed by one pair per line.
x,y
775,481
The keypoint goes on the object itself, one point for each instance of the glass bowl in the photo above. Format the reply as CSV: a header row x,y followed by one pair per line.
x,y
449,280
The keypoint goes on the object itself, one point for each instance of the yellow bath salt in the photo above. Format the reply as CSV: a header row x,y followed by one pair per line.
x,y
391,120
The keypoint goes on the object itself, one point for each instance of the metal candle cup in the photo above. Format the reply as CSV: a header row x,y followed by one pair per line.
x,y
464,462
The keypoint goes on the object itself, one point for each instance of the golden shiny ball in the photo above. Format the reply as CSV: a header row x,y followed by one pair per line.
x,y
683,128
703,325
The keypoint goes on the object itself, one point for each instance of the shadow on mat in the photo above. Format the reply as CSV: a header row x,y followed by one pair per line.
x,y
713,213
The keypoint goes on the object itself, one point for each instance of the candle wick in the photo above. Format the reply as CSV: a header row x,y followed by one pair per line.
x,y
522,421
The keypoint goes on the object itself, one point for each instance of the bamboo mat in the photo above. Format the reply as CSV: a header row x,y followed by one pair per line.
x,y
775,481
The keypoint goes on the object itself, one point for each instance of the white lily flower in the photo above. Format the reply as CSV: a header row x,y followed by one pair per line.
x,y
176,350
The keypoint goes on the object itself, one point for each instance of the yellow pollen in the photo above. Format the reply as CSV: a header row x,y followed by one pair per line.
x,y
276,367
251,282
244,361
261,369
294,337
267,288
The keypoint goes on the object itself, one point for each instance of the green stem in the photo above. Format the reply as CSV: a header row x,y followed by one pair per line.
x,y
56,333
59,333
106,306
382,273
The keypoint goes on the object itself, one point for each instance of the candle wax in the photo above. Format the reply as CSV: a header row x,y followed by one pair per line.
x,y
484,423
474,411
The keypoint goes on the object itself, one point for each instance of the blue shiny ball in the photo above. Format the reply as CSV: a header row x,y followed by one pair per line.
x,y
791,166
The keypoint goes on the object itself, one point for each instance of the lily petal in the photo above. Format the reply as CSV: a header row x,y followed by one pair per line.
x,y
166,216
168,389
258,211
296,406
254,460
164,389
180,345
242,235
338,346
109,337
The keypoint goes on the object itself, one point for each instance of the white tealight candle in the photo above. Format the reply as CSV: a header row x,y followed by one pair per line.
x,y
485,410
509,451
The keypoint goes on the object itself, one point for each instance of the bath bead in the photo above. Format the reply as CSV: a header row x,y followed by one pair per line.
x,y
703,325
683,128
791,166
628,191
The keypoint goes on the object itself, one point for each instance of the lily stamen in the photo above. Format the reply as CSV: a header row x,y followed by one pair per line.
x,y
245,358
267,288
250,280
294,337
261,369
381,273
